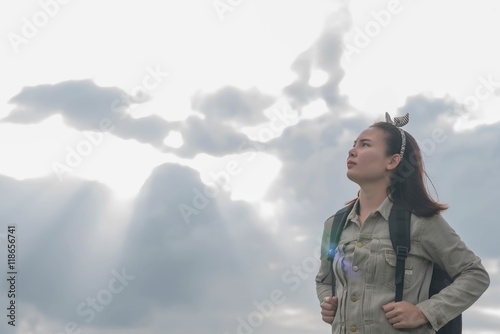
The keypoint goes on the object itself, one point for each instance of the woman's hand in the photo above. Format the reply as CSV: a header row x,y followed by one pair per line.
x,y
329,309
404,315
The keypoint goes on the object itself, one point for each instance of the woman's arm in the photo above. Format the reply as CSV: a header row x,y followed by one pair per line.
x,y
324,277
324,281
441,244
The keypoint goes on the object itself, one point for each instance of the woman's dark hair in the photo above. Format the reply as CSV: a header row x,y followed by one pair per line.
x,y
407,187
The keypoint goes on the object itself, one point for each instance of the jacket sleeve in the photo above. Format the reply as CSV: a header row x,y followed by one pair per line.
x,y
441,244
324,277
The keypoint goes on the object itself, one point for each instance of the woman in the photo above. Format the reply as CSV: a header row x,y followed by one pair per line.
x,y
386,163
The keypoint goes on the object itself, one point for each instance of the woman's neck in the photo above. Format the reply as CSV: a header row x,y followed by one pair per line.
x,y
371,197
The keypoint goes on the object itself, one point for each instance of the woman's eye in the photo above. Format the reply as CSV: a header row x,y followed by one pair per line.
x,y
365,144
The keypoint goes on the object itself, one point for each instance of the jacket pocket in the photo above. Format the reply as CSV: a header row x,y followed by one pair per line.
x,y
390,270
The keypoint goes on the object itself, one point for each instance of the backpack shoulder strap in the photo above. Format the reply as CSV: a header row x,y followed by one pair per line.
x,y
338,224
399,230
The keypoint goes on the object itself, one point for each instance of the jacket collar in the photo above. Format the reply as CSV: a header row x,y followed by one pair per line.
x,y
384,209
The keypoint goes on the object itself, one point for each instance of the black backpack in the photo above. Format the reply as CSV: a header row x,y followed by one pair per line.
x,y
399,229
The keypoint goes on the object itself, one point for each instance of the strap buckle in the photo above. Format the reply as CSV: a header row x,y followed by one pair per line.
x,y
402,252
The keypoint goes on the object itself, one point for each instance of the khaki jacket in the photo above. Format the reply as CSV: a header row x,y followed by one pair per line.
x,y
365,267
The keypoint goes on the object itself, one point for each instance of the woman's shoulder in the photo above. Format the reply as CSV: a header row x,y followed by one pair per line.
x,y
432,224
328,223
433,219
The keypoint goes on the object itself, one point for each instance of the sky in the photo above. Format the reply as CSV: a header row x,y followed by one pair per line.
x,y
168,166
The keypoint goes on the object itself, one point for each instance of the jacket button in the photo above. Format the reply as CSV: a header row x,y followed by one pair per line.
x,y
439,322
354,328
359,244
354,298
355,268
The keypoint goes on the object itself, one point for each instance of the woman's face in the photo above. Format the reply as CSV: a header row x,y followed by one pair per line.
x,y
369,157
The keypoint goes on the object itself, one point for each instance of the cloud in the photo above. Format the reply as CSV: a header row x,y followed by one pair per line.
x,y
218,253
232,105
422,121
56,222
324,54
88,107
313,154
223,112
211,137
201,261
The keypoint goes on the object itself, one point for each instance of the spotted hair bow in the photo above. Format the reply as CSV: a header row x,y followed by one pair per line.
x,y
399,122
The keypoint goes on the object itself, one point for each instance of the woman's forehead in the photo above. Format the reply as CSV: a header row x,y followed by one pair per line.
x,y
373,134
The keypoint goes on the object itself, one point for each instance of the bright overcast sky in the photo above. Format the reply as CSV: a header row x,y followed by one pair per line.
x,y
251,44
188,63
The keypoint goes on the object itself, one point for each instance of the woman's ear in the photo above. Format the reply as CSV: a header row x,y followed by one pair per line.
x,y
393,162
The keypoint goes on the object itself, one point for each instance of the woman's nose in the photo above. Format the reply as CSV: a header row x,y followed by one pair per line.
x,y
351,152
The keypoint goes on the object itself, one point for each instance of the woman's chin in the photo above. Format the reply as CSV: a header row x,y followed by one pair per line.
x,y
351,176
